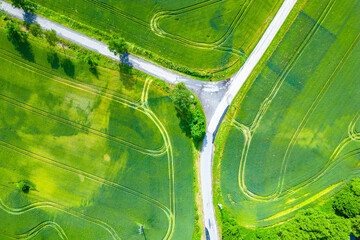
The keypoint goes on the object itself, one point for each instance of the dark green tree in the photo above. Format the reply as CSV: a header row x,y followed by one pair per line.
x,y
27,5
118,45
14,32
347,202
51,37
36,30
312,224
190,110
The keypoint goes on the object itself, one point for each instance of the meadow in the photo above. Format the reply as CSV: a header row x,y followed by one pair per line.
x,y
292,140
212,38
89,154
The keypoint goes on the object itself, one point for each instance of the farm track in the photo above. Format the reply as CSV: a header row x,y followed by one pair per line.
x,y
335,158
216,45
138,107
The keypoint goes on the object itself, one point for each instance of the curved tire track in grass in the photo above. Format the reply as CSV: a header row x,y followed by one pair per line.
x,y
37,229
216,45
52,205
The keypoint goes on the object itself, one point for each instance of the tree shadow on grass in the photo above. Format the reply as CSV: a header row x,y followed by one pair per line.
x,y
53,59
94,71
69,67
23,47
127,76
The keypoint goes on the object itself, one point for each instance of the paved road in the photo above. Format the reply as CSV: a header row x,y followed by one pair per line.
x,y
209,93
215,96
236,82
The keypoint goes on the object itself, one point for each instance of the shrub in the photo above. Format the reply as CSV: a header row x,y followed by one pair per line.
x,y
51,37
191,111
35,30
14,32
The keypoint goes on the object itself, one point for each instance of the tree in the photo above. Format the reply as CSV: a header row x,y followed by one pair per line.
x,y
190,110
118,45
182,98
51,37
14,32
312,224
25,4
35,30
89,58
347,203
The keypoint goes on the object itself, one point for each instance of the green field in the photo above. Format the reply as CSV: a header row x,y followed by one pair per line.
x,y
88,154
211,37
293,139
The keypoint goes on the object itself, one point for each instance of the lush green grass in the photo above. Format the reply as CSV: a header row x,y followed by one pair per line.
x,y
200,38
101,151
293,141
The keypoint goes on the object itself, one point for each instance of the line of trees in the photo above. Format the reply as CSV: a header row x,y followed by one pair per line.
x,y
15,32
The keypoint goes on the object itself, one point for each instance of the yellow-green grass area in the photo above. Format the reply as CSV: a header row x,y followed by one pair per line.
x,y
88,154
211,38
293,141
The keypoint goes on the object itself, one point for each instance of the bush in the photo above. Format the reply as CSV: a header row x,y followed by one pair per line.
x,y
35,30
191,111
14,32
51,37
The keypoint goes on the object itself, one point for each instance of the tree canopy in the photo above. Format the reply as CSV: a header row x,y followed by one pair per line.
x,y
51,37
117,45
347,203
27,5
190,110
14,32
313,224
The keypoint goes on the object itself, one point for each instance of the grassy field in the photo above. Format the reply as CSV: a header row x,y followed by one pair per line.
x,y
212,38
293,140
88,154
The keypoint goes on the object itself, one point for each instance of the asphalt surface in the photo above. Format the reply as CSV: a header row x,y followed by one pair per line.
x,y
215,97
